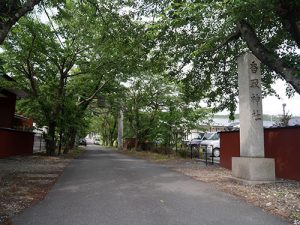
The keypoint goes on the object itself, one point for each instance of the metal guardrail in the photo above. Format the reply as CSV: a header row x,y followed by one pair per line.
x,y
204,152
39,144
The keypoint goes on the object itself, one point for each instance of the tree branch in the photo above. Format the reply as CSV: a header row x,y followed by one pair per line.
x,y
52,25
30,68
99,11
14,18
231,37
268,58
77,74
289,16
93,95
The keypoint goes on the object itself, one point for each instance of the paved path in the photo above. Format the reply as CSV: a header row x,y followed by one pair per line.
x,y
107,188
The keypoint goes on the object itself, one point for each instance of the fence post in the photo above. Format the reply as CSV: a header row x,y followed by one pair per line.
x,y
41,136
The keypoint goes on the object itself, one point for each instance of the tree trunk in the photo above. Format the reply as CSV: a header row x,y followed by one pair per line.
x,y
112,132
15,16
60,141
120,131
50,139
70,141
111,142
136,143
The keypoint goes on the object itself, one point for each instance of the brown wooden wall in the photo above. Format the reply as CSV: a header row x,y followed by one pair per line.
x,y
282,144
7,109
22,123
13,142
230,147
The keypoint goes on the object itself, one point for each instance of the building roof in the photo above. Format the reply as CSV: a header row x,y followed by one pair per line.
x,y
19,93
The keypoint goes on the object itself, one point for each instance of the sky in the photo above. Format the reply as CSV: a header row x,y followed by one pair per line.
x,y
273,106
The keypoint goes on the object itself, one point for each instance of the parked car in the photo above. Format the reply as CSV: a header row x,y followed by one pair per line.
x,y
82,141
97,141
212,145
195,142
206,136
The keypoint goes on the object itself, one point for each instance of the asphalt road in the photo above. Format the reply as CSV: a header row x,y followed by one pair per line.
x,y
107,188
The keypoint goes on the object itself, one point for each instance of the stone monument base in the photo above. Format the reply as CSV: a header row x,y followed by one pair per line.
x,y
252,170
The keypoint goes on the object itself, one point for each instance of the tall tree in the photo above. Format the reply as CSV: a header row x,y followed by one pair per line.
x,y
202,40
41,64
65,63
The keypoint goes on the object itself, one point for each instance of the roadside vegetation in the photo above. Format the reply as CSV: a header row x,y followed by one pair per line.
x,y
152,156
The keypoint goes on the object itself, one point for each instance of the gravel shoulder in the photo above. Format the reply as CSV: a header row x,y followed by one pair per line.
x,y
281,198
25,180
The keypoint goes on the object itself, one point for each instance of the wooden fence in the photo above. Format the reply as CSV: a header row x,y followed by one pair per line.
x,y
282,144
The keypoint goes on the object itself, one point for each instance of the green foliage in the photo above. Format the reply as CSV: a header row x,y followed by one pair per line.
x,y
154,112
200,41
105,124
65,64
2,72
156,71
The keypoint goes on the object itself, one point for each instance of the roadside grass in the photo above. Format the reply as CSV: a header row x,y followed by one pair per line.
x,y
162,155
152,156
75,152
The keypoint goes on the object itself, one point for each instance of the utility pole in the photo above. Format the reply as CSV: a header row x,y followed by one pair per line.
x,y
283,107
120,131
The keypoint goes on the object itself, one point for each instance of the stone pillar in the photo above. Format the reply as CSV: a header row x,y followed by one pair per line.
x,y
251,167
120,131
250,106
